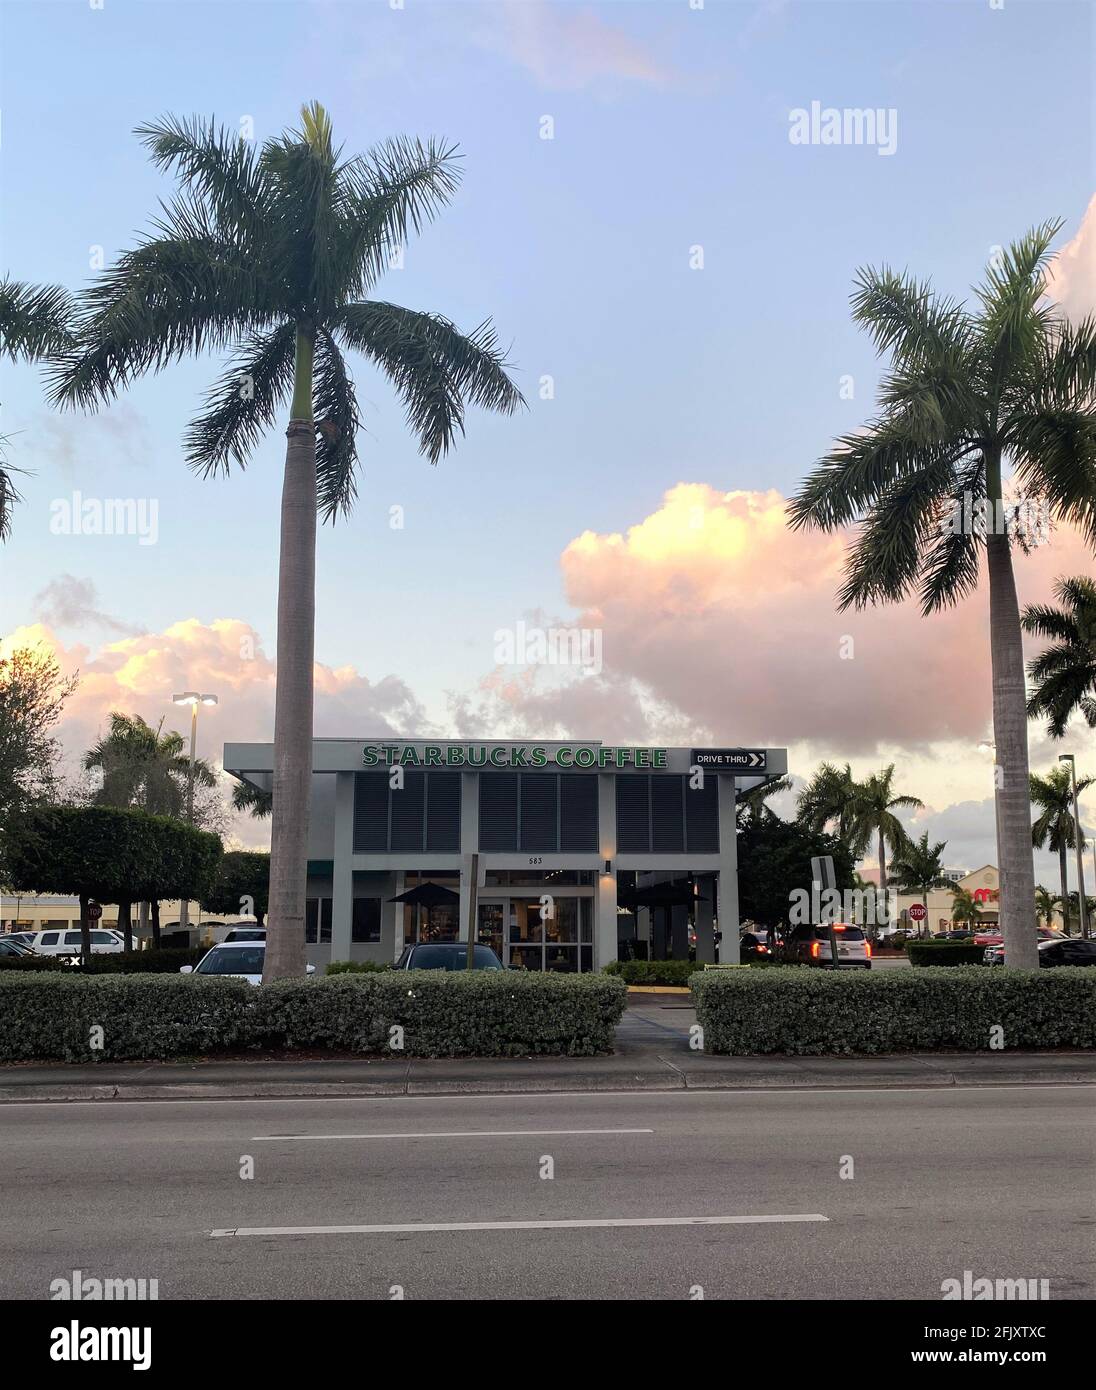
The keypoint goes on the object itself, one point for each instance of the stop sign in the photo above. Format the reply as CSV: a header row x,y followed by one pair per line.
x,y
94,912
918,913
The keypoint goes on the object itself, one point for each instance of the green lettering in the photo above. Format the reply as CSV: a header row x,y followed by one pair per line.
x,y
540,757
370,756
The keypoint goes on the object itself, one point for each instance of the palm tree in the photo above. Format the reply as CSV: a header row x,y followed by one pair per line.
x,y
33,325
965,908
1065,673
752,803
271,254
969,392
918,868
826,801
1055,827
145,768
258,804
872,817
1047,904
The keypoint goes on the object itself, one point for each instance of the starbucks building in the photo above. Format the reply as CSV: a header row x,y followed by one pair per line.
x,y
565,855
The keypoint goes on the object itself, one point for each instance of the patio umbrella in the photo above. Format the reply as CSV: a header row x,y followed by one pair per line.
x,y
426,895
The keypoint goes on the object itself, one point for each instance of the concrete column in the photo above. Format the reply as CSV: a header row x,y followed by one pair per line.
x,y
396,914
469,843
605,903
342,872
728,873
705,929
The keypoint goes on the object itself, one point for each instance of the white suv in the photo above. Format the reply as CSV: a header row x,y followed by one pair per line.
x,y
67,943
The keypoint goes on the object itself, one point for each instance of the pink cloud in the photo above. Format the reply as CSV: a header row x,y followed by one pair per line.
x,y
1072,273
716,618
568,49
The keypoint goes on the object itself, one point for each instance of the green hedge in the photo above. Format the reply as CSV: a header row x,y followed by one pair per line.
x,y
51,1015
48,1015
446,1013
944,953
652,972
356,967
33,963
817,1011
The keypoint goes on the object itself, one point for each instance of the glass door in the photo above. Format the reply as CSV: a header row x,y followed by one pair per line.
x,y
489,926
555,936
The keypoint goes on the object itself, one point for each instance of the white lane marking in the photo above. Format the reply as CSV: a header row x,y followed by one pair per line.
x,y
942,1089
429,1228
445,1134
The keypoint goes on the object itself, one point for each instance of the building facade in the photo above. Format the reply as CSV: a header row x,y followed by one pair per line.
x,y
557,835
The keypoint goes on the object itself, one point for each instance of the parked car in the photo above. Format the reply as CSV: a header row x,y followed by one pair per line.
x,y
10,947
242,960
958,934
245,933
104,941
447,955
1054,950
26,937
810,945
992,936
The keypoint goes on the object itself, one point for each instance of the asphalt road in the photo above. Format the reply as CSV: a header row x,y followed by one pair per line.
x,y
996,1180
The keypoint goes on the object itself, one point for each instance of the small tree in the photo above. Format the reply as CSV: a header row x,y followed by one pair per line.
x,y
241,885
775,862
919,869
187,866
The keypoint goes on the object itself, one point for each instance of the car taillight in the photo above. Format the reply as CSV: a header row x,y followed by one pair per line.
x,y
763,951
814,950
867,949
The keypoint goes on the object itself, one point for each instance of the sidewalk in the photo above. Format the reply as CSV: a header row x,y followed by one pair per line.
x,y
652,1054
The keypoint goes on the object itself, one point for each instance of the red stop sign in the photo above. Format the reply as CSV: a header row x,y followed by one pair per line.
x,y
918,913
94,912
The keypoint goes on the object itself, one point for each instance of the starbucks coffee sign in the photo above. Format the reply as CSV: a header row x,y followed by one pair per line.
x,y
511,755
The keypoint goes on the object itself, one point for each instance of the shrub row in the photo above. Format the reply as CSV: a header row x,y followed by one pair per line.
x,y
816,1011
944,953
653,972
356,967
441,1014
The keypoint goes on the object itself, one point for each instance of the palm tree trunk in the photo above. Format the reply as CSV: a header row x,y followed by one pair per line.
x,y
285,953
1065,886
922,930
882,885
125,922
154,907
85,931
1017,867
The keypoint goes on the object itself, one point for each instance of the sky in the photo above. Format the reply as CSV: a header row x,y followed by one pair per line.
x,y
670,272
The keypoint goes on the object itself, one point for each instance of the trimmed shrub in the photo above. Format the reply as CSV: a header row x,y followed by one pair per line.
x,y
33,963
165,961
944,953
808,1012
652,972
356,967
446,1013
47,1015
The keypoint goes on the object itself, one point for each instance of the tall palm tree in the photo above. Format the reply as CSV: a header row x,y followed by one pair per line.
x,y
1064,674
34,323
272,254
145,768
1047,904
1055,827
969,393
826,801
918,868
872,818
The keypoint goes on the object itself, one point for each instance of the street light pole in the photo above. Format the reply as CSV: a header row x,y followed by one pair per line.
x,y
1079,837
193,699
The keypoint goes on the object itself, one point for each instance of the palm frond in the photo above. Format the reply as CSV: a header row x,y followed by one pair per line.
x,y
385,195
436,369
216,163
35,320
907,319
1055,458
244,403
335,406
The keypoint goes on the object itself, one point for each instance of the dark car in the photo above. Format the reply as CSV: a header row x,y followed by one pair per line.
x,y
754,946
10,947
1061,950
447,955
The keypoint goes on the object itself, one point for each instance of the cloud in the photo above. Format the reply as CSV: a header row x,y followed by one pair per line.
x,y
1072,273
717,620
71,602
82,445
567,49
